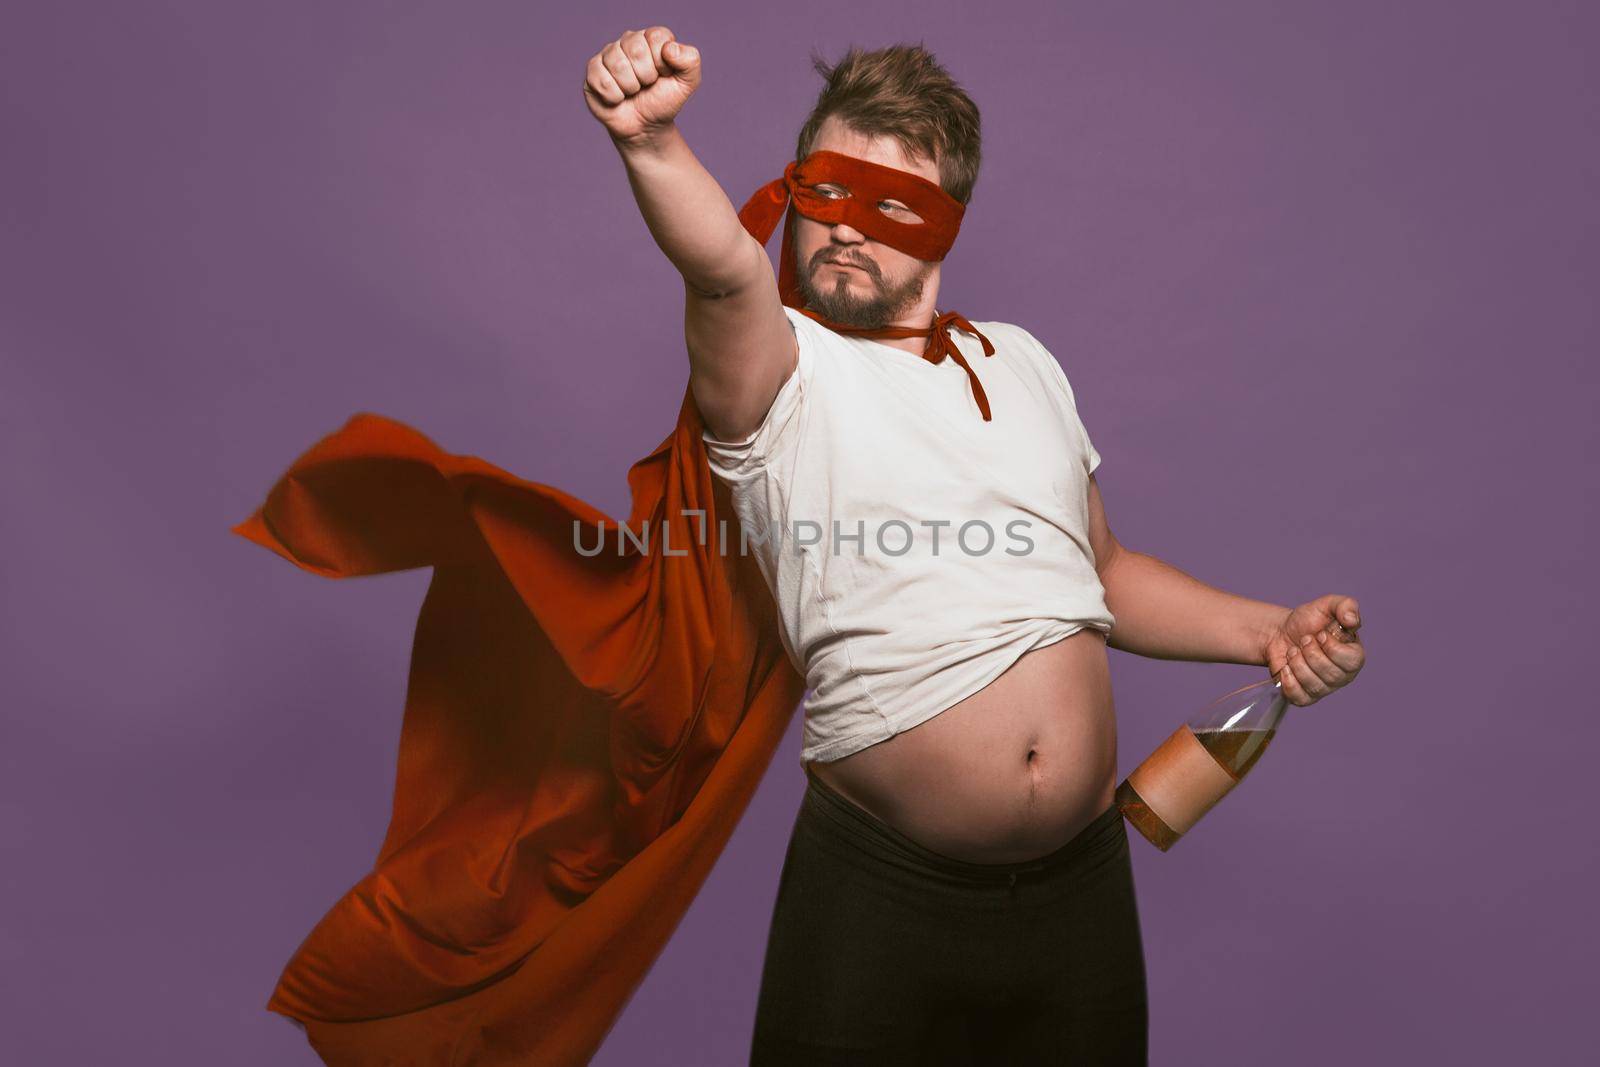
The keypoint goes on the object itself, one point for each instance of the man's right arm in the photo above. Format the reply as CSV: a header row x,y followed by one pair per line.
x,y
741,345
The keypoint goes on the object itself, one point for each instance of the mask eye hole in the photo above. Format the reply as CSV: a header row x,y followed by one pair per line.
x,y
897,211
831,191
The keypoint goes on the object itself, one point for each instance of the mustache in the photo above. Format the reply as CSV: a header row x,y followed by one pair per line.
x,y
860,265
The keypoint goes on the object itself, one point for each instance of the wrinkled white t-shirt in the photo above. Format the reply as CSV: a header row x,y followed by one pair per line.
x,y
914,551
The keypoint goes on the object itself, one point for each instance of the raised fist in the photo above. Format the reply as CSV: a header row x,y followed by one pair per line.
x,y
637,84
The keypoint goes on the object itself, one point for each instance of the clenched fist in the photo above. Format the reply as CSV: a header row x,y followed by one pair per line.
x,y
638,83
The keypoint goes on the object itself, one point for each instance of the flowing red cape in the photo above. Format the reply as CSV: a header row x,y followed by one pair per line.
x,y
581,735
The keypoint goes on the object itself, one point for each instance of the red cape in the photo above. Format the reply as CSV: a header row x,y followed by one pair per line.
x,y
581,735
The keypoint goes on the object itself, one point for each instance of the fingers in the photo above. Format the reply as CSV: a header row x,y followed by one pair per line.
x,y
656,39
1311,687
629,64
599,82
619,64
1314,654
1278,662
1292,689
644,57
1317,666
1345,652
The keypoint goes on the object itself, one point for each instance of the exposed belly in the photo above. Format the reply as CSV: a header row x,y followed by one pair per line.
x,y
1010,773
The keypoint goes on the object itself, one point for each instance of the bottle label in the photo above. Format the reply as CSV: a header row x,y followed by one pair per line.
x,y
1180,781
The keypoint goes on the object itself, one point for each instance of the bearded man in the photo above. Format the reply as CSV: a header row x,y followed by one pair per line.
x,y
921,494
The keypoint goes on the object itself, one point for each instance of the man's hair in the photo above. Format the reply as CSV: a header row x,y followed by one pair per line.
x,y
902,92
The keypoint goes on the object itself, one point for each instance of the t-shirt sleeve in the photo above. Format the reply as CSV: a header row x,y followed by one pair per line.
x,y
1091,454
780,427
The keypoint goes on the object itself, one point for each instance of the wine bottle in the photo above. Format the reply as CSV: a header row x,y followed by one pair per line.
x,y
1203,760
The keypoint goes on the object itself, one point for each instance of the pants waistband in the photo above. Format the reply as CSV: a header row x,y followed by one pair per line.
x,y
879,836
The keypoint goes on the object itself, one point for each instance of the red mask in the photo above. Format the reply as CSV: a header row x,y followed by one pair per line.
x,y
866,186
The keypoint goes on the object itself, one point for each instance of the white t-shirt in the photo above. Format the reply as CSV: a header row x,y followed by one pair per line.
x,y
914,551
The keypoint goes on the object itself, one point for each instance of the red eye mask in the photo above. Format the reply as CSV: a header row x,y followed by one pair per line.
x,y
866,186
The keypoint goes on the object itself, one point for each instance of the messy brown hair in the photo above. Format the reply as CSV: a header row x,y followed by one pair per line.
x,y
902,92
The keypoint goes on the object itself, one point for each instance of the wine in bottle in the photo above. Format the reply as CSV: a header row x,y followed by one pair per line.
x,y
1203,760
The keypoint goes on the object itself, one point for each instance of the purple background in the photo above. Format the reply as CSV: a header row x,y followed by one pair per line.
x,y
1321,274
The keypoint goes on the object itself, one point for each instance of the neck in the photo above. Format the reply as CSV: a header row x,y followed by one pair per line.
x,y
917,344
919,318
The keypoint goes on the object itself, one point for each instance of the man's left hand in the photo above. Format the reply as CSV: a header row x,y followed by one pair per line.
x,y
1315,650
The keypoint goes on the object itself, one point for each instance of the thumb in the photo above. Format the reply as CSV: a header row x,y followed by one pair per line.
x,y
1347,614
683,57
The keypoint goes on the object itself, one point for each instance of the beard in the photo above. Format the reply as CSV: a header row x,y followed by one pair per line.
x,y
840,296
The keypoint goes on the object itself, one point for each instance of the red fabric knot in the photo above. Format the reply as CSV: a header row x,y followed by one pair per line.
x,y
940,344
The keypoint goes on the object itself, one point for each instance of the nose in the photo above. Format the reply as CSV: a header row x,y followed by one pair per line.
x,y
846,234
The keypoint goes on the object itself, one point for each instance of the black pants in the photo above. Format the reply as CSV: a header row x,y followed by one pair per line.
x,y
884,952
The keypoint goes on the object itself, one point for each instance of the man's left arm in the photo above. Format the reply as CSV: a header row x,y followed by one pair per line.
x,y
1164,613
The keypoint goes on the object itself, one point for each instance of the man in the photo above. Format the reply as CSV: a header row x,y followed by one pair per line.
x,y
957,887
